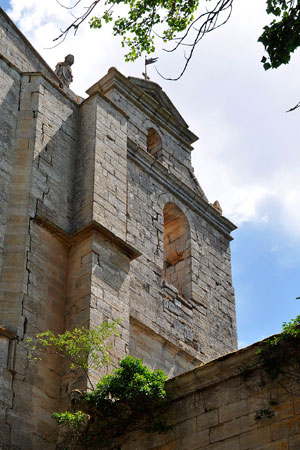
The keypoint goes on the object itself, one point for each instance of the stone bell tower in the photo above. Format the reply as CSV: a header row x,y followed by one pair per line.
x,y
181,300
101,218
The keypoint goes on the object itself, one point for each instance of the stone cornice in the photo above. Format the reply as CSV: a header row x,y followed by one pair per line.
x,y
107,100
156,92
148,325
7,333
115,80
67,94
183,192
86,231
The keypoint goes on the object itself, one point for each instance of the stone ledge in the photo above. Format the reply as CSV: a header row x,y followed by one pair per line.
x,y
156,329
7,333
94,90
87,230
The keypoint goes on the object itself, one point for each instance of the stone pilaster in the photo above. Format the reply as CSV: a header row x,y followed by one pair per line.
x,y
14,275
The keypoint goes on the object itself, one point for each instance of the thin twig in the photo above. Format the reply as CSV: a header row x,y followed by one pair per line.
x,y
68,7
209,19
294,107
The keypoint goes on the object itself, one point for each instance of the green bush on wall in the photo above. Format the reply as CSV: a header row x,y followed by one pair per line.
x,y
129,399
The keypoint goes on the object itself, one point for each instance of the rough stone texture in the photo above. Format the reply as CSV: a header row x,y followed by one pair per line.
x,y
158,352
213,407
83,236
9,97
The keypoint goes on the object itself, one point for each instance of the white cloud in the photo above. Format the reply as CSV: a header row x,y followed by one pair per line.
x,y
94,51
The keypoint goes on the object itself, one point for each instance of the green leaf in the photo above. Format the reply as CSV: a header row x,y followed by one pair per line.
x,y
267,66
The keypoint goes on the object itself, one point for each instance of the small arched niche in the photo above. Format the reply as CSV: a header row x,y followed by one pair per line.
x,y
154,144
177,250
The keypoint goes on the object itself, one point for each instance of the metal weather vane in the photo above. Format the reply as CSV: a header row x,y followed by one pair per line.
x,y
147,62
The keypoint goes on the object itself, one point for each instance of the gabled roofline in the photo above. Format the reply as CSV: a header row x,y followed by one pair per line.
x,y
150,87
115,80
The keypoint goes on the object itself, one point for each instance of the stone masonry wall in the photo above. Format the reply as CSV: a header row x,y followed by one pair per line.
x,y
36,177
206,321
202,324
9,98
81,237
176,155
215,407
55,157
210,329
102,166
41,179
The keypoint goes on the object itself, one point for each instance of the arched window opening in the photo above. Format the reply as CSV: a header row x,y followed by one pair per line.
x,y
177,250
154,145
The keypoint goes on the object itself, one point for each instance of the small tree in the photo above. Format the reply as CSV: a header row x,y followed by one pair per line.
x,y
280,355
129,399
84,348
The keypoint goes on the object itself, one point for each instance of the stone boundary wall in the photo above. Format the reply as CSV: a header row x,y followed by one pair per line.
x,y
214,407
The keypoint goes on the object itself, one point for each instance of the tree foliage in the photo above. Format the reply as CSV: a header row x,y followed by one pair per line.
x,y
129,399
84,348
280,355
183,23
282,36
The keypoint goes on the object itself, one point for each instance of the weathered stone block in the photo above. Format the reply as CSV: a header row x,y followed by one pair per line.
x,y
285,428
193,441
233,410
294,442
254,438
232,428
208,419
226,444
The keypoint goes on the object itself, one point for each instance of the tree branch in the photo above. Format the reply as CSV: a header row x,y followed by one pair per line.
x,y
294,107
210,24
78,21
205,22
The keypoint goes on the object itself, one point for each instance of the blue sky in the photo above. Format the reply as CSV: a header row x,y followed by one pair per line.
x,y
247,155
266,280
5,4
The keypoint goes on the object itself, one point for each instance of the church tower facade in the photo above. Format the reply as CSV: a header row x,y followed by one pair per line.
x,y
101,218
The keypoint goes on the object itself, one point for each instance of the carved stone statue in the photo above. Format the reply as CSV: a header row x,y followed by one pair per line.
x,y
63,70
217,207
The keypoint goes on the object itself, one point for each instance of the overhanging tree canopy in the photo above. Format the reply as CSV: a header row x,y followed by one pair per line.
x,y
184,23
